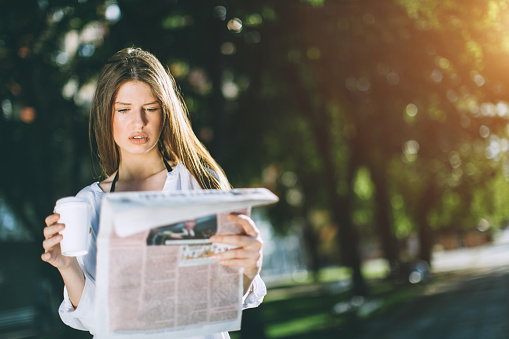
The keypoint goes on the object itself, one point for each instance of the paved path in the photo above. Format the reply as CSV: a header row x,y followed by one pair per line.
x,y
471,302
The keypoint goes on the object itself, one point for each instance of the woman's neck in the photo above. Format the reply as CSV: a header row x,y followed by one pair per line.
x,y
135,168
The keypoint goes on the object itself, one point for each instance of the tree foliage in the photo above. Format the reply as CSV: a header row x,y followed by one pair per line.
x,y
377,120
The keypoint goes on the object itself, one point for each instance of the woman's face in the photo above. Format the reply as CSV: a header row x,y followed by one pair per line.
x,y
137,119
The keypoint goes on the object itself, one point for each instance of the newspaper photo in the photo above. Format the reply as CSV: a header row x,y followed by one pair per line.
x,y
155,277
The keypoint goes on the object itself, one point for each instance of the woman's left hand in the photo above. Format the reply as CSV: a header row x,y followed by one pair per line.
x,y
248,253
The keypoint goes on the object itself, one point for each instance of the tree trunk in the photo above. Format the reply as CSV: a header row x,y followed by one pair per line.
x,y
383,217
311,241
219,147
425,231
320,126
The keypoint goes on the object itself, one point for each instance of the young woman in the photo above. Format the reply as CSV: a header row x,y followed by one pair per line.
x,y
145,143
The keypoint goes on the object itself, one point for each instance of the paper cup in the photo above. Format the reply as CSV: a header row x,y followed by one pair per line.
x,y
75,214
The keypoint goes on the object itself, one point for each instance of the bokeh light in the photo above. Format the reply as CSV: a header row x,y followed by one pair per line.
x,y
112,13
27,114
235,25
220,12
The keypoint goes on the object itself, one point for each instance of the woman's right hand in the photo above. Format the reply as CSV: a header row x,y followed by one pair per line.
x,y
69,268
52,253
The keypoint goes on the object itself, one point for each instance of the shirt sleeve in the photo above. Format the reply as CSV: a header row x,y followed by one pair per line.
x,y
82,317
254,297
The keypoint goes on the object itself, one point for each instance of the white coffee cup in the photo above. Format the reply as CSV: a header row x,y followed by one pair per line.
x,y
75,214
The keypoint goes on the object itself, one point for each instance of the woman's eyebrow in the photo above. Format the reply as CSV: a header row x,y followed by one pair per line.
x,y
128,103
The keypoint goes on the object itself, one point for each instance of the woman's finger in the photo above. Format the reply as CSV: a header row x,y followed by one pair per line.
x,y
51,242
50,231
246,223
233,239
46,256
237,262
236,253
51,219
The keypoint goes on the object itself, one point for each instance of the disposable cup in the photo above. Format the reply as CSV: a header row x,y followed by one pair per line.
x,y
75,214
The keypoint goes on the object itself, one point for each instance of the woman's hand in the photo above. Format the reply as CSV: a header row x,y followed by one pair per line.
x,y
51,244
69,268
248,253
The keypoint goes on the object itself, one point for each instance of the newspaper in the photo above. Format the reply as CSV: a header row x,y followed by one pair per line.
x,y
155,278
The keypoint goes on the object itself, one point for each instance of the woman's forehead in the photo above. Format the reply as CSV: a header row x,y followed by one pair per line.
x,y
135,92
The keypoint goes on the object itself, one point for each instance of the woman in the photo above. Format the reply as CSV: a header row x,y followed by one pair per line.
x,y
145,143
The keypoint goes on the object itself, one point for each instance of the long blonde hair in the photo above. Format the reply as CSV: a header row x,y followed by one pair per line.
x,y
177,142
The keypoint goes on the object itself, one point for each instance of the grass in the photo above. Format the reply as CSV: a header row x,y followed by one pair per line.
x,y
322,309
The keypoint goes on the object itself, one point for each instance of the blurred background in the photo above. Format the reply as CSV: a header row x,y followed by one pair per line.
x,y
383,126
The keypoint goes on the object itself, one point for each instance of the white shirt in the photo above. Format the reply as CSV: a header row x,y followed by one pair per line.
x,y
82,318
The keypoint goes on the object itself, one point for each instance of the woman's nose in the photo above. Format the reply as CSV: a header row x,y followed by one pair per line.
x,y
140,118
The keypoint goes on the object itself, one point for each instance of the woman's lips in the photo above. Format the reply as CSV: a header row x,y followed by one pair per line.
x,y
138,138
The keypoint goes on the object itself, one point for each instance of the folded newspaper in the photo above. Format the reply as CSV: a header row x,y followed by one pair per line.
x,y
155,278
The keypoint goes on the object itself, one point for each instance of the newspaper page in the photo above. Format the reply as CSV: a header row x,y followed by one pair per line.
x,y
155,278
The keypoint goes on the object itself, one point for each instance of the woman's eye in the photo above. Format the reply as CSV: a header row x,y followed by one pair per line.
x,y
152,109
122,110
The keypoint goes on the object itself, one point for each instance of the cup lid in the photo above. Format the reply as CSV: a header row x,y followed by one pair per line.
x,y
67,200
